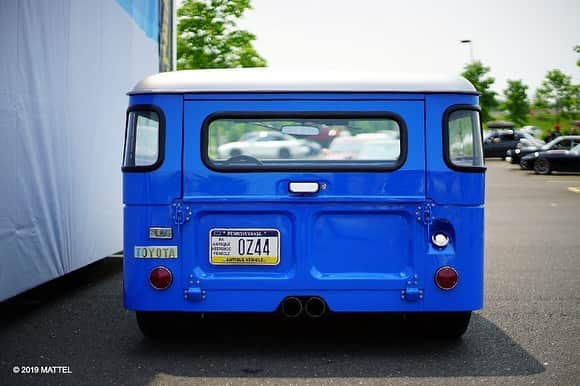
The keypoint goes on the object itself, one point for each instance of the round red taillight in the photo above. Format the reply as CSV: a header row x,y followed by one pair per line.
x,y
160,278
446,278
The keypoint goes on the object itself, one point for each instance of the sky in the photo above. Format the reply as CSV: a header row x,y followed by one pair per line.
x,y
517,39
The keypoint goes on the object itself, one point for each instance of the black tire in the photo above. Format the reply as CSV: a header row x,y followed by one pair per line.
x,y
542,166
235,153
284,153
153,324
523,165
162,325
449,325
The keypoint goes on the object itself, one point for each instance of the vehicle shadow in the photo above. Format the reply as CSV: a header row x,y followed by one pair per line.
x,y
79,321
378,346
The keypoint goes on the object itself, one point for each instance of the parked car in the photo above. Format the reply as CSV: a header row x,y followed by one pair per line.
x,y
314,147
545,162
266,144
566,142
498,142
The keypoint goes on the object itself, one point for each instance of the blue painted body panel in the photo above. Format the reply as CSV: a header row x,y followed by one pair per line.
x,y
447,186
357,244
163,185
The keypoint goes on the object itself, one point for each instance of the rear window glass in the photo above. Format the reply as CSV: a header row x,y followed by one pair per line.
x,y
142,146
464,148
303,143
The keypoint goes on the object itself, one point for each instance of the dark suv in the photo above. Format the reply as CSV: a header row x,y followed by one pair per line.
x,y
497,143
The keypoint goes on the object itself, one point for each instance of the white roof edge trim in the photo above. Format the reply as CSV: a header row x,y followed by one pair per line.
x,y
268,80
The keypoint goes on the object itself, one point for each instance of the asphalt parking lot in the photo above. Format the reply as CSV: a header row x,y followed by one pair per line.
x,y
528,332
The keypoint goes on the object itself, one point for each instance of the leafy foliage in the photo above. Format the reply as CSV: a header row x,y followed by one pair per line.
x,y
207,36
577,50
558,93
517,103
476,73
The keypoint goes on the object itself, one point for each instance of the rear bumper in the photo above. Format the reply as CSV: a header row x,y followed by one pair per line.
x,y
337,301
406,292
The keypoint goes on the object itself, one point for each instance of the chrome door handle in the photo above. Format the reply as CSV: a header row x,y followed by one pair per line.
x,y
303,187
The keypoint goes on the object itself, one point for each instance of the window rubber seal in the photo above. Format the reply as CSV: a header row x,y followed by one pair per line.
x,y
305,114
445,126
161,140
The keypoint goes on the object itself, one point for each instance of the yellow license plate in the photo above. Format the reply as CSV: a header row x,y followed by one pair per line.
x,y
244,246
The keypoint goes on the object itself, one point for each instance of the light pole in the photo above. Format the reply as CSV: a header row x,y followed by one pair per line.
x,y
470,48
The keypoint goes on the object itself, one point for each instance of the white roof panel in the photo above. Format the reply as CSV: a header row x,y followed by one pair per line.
x,y
268,80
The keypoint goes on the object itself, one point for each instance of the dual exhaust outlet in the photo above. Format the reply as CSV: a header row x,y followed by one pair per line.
x,y
313,307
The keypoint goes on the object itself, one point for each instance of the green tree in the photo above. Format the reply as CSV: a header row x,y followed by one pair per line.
x,y
517,103
558,93
577,50
207,36
476,72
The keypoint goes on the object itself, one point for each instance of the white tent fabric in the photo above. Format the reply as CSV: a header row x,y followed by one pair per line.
x,y
65,66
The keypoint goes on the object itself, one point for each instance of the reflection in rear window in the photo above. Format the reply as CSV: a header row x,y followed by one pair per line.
x,y
302,143
464,139
142,139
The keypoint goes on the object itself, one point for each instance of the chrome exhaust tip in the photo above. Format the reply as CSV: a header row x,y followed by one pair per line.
x,y
315,307
291,307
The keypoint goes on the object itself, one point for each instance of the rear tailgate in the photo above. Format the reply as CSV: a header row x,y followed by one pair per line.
x,y
250,242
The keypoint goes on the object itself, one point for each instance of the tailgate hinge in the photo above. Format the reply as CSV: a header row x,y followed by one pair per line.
x,y
412,293
424,213
194,293
181,212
